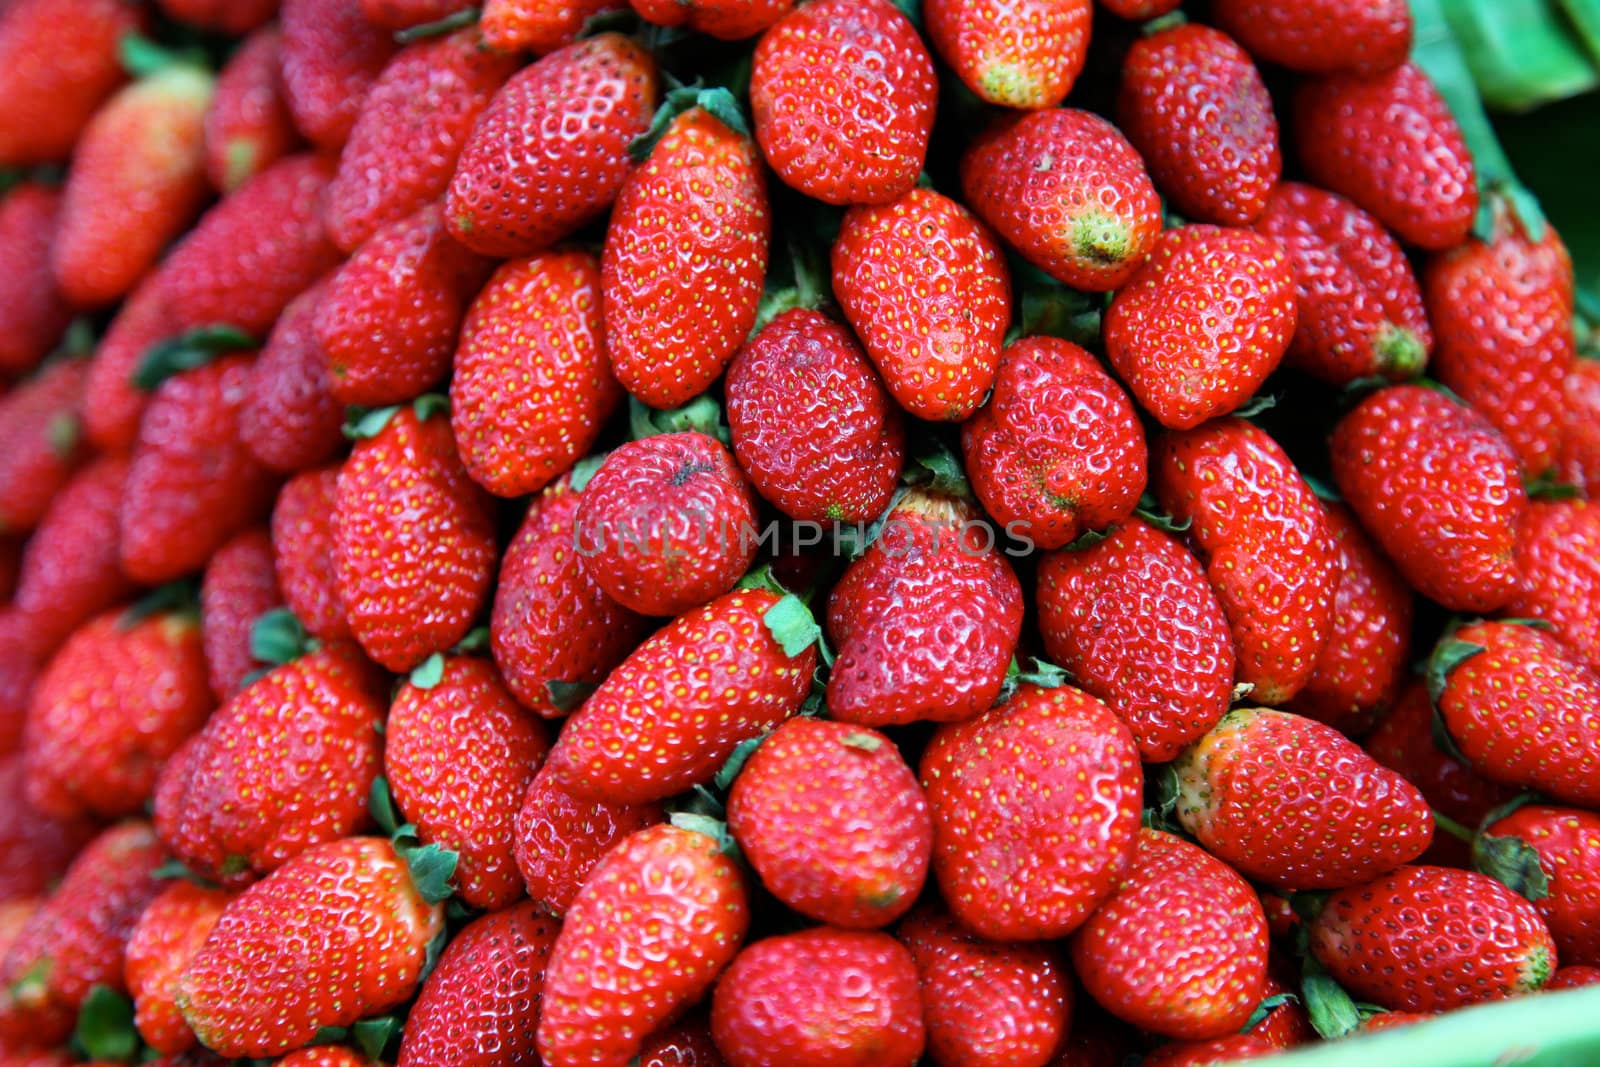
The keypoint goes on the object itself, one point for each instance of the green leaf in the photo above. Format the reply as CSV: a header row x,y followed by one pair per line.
x,y
715,829
1321,489
372,1036
1087,539
428,405
736,761
171,870
1151,512
1512,862
431,868
477,640
1522,53
438,28
105,1025
186,351
361,424
428,673
1255,406
700,415
1549,486
381,806
1449,654
329,1035
172,598
791,624
583,470
1161,787
1333,1013
717,101
939,469
1267,1006
142,57
566,696
912,10
277,637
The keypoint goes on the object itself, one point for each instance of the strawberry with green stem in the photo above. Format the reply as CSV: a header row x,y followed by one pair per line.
x,y
1025,55
1551,855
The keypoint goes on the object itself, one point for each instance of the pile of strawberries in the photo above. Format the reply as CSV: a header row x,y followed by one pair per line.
x,y
751,532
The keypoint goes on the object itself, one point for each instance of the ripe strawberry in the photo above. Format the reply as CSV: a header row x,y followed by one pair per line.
x,y
305,552
1389,142
409,133
1212,1053
987,1004
14,915
1289,1024
20,664
730,679
603,990
1014,55
685,258
290,421
560,839
926,621
1565,848
1035,811
33,311
1139,9
830,58
324,1056
336,934
1202,323
389,318
1321,36
232,17
163,944
684,1044
1132,620
35,848
1439,491
1573,977
459,756
1558,558
416,545
1291,802
476,1008
239,586
331,56
41,442
550,152
1196,108
1580,434
727,20
248,127
1068,191
538,26
925,286
402,14
112,404
1432,939
1360,308
848,998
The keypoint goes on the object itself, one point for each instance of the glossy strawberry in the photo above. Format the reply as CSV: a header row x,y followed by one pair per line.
x,y
58,62
560,839
290,420
1574,977
728,20
1558,558
305,552
163,943
331,57
35,848
1288,1024
33,311
41,442
1015,55
1321,35
112,404
248,127
1565,846
538,26
684,1044
1580,432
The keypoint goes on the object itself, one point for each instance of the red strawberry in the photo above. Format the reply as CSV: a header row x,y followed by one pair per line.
x,y
338,933
1360,308
1267,546
821,996
1320,36
685,258
477,1007
550,152
1068,191
324,1056
389,318
1035,812
290,421
41,442
33,312
164,942
1133,621
832,58
1015,55
1558,558
685,1044
1291,802
1196,108
232,17
925,286
1580,436
401,14
409,133
1212,1053
35,848
1389,142
728,20
416,545
249,127
1288,1024
331,56
20,664
538,26
1564,845
561,839
1432,939
730,679
1573,977
1439,491
987,1004
603,990
1139,9
305,552
240,585
112,404
14,915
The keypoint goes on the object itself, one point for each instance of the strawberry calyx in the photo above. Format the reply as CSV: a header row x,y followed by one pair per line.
x,y
1549,486
141,57
1045,675
1333,1012
583,470
701,415
371,1036
187,351
174,598
715,101
1046,308
716,829
431,866
1512,862
1149,510
456,20
567,696
276,638
105,1029
1400,352
362,423
1267,1006
171,869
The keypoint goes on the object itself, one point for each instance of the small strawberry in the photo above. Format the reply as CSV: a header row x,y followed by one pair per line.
x,y
1580,433
331,56
683,1044
290,420
33,311
538,26
550,152
305,554
1438,489
1292,802
925,286
35,848
1213,1053
1574,977
1360,307
727,20
833,58
41,442
403,14
1321,36
1067,190
605,988
1558,557
248,127
239,586
163,944
560,839
848,998
112,404
1196,108
1563,846
1035,812
1015,55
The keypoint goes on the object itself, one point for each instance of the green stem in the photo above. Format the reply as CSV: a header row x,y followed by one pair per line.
x,y
1453,828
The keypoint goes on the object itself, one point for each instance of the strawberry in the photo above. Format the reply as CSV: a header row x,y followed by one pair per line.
x,y
324,1056
1565,848
1133,621
1291,802
112,404
1503,313
1035,812
35,848
1212,1053
1014,55
1438,489
832,58
1068,191
305,525
20,664
987,1004
232,17
727,20
685,257
925,286
662,526
1521,707
415,542
248,127
684,1044
41,442
338,933
460,755
33,311
239,586
602,992
290,420
848,998
1321,36
834,823
389,318
1265,541
550,152
926,620
1196,108
1360,307
1288,1024
1580,433
1202,323
538,26
164,942
730,679
1180,947
476,1008
560,839
137,181
331,56
1432,939
192,484
1573,977
402,14
14,915
1389,142
1558,558
410,131
284,766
